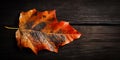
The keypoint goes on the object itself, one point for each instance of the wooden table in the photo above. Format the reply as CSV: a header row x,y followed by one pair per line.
x,y
97,20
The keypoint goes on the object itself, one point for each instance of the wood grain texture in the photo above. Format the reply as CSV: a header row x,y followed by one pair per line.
x,y
97,20
96,42
74,11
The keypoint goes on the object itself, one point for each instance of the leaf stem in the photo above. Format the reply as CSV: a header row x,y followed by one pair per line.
x,y
10,27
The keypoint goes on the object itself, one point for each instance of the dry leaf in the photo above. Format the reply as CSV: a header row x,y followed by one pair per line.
x,y
41,30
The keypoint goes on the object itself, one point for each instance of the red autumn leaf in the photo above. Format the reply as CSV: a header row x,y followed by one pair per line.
x,y
41,30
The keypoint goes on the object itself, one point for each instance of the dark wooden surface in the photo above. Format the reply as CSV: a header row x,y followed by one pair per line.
x,y
97,20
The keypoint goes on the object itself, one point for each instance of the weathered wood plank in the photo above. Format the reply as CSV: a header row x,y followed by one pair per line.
x,y
91,12
99,33
96,42
80,12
